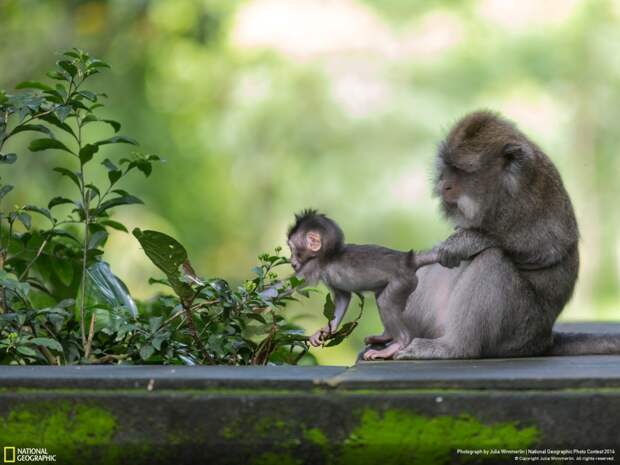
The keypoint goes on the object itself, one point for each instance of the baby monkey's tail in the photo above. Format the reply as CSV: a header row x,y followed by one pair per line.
x,y
410,261
422,258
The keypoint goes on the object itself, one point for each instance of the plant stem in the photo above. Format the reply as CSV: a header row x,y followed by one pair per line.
x,y
37,255
85,245
187,306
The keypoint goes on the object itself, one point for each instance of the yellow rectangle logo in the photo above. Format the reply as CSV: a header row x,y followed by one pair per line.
x,y
9,455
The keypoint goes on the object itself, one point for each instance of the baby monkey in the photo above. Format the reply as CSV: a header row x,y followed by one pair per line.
x,y
318,253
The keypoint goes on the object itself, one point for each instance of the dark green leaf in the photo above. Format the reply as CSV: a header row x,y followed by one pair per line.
x,y
65,172
146,351
68,67
5,190
57,75
97,239
94,63
114,174
329,308
62,112
25,219
87,152
27,351
33,85
117,140
58,201
168,255
115,124
53,119
33,127
47,342
114,225
8,159
42,211
88,95
117,201
38,145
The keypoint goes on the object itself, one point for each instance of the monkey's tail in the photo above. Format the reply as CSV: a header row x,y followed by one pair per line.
x,y
585,344
410,261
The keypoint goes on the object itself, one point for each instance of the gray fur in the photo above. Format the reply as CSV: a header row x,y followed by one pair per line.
x,y
347,268
513,260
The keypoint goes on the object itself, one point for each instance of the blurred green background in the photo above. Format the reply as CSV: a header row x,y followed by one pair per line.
x,y
262,108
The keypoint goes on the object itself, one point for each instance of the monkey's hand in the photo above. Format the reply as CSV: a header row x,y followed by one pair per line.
x,y
448,258
319,337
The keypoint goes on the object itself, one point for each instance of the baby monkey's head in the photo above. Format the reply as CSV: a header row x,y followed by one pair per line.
x,y
312,237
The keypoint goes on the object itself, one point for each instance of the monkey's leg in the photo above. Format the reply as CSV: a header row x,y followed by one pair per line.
x,y
489,311
391,302
385,354
421,349
378,339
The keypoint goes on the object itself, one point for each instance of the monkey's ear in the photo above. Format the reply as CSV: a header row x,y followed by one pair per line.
x,y
313,241
512,151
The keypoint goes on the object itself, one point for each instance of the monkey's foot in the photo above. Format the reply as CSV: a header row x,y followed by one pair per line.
x,y
387,353
378,339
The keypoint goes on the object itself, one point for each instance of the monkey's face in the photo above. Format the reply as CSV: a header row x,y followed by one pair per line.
x,y
305,246
465,186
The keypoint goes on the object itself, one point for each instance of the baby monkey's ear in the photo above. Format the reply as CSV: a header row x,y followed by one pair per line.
x,y
313,241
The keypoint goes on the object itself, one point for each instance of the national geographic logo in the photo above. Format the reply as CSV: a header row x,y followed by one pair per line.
x,y
27,454
9,455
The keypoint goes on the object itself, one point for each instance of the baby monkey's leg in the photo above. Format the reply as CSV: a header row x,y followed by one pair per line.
x,y
387,353
378,339
391,302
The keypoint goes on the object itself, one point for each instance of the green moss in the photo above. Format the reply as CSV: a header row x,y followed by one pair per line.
x,y
398,437
316,436
272,458
69,431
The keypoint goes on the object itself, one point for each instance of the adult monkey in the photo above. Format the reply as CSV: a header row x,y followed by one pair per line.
x,y
511,265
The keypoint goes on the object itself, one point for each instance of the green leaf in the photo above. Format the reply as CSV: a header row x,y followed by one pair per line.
x,y
27,351
33,85
38,145
117,201
68,67
97,238
47,342
113,224
329,308
33,127
115,124
87,152
70,174
42,211
88,95
25,219
58,201
117,140
168,255
62,112
95,63
64,270
53,119
5,190
114,174
8,159
58,75
105,290
146,351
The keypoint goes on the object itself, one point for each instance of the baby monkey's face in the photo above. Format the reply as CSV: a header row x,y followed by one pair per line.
x,y
301,245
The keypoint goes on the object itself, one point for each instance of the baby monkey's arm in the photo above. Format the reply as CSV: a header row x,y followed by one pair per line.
x,y
341,303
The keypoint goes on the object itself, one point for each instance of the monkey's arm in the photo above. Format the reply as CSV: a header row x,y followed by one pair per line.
x,y
463,245
341,303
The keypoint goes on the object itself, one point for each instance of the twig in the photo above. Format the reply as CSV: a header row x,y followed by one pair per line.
x,y
91,333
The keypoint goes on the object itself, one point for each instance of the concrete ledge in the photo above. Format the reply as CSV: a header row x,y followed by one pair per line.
x,y
380,412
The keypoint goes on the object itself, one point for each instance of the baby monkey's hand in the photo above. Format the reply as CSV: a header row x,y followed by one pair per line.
x,y
320,336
